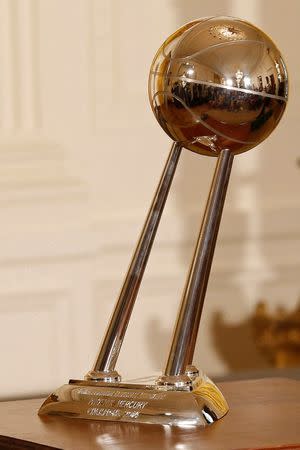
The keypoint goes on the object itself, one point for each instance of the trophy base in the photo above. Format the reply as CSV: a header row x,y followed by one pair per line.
x,y
200,404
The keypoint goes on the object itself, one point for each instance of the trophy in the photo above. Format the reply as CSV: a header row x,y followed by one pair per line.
x,y
218,86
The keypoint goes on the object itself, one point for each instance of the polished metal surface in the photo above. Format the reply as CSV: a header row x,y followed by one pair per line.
x,y
186,330
218,82
200,405
105,376
218,86
192,372
109,352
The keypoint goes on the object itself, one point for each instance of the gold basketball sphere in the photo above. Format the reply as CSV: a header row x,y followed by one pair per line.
x,y
216,83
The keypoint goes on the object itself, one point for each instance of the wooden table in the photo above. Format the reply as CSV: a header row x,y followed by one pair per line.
x,y
263,414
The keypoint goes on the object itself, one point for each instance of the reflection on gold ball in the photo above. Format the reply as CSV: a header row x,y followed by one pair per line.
x,y
216,83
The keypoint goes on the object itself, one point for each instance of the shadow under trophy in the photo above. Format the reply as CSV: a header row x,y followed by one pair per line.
x,y
218,86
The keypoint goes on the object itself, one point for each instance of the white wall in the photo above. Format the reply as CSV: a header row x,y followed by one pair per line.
x,y
80,156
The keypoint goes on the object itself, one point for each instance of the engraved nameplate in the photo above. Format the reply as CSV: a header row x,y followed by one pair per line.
x,y
116,403
135,403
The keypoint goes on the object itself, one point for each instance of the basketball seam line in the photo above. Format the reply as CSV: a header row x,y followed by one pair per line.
x,y
222,44
210,83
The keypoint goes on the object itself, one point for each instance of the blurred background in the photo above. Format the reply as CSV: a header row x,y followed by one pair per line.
x,y
80,157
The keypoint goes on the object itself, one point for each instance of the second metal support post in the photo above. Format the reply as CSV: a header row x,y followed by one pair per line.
x,y
186,329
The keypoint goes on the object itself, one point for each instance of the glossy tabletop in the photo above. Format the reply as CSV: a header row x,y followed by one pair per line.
x,y
263,414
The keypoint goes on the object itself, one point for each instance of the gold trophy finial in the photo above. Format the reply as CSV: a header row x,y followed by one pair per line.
x,y
216,83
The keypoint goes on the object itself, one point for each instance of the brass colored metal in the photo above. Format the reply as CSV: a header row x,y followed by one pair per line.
x,y
104,369
218,86
216,83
